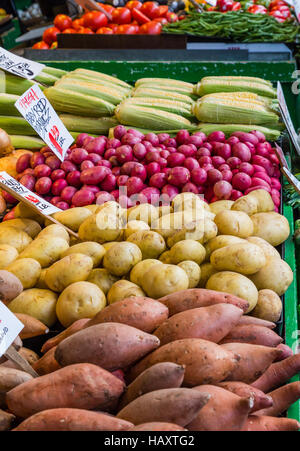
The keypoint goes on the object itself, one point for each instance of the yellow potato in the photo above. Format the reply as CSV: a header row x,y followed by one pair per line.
x,y
101,227
70,269
54,230
221,241
93,250
193,272
266,247
73,217
109,244
188,201
164,210
236,223
45,250
271,226
138,271
79,300
248,204
168,224
194,230
123,289
207,270
121,258
29,226
92,208
220,205
276,275
264,200
245,258
151,244
23,211
234,283
161,280
8,254
41,282
37,303
15,238
134,226
102,278
187,250
143,212
165,257
27,270
268,307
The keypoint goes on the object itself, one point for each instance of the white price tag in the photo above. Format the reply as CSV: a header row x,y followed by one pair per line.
x,y
10,327
287,118
19,66
296,4
41,204
39,113
211,2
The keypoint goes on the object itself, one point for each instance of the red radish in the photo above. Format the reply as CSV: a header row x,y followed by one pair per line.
x,y
252,188
251,147
182,136
204,160
136,133
224,151
127,167
264,162
197,140
95,189
28,181
62,205
171,142
232,140
109,183
139,171
275,183
55,200
233,162
217,161
162,137
246,137
216,136
53,162
147,144
122,180
235,171
191,164
152,138
198,176
164,153
207,167
37,159
124,153
80,138
113,143
203,135
94,158
134,185
274,159
110,153
119,131
187,150
9,198
83,197
189,188
158,180
247,168
235,194
213,176
68,193
152,168
226,175
23,162
151,194
28,171
207,145
223,189
58,186
175,159
162,162
102,197
152,155
241,151
94,175
86,165
139,151
241,181
179,176
130,139
78,155
258,181
97,145
166,170
73,178
116,171
116,194
276,173
263,176
224,167
262,150
171,191
209,193
203,152
43,185
42,170
259,135
67,166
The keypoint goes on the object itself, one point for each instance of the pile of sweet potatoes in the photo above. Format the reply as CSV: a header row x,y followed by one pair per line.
x,y
189,361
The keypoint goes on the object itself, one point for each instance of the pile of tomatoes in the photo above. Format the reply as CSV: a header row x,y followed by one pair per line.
x,y
135,18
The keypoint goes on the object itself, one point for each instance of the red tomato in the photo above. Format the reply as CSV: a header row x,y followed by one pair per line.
x,y
139,16
275,3
95,20
40,45
126,29
257,9
121,16
225,5
277,15
113,26
284,10
162,10
105,30
54,45
69,31
62,21
171,17
77,23
108,8
161,20
50,35
134,4
150,9
236,6
151,28
87,31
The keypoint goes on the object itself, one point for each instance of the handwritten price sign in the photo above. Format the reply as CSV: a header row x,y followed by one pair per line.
x,y
40,114
18,65
10,327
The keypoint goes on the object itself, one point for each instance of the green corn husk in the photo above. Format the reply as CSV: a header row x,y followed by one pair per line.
x,y
7,105
100,76
17,85
170,106
213,85
77,103
228,129
26,142
46,79
16,126
102,92
165,82
55,72
158,94
178,89
99,126
137,116
239,78
72,77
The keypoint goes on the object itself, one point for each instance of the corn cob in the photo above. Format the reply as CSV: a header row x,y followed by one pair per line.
x,y
26,142
145,131
158,94
171,106
46,79
7,105
77,103
213,85
100,125
228,129
165,82
228,111
239,78
100,76
16,126
55,72
102,92
82,78
16,85
178,89
137,116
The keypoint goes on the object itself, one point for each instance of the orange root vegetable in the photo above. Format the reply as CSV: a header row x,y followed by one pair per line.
x,y
158,426
6,420
75,327
143,313
261,400
109,345
253,361
270,424
32,326
10,286
46,364
209,323
82,386
157,377
172,405
253,334
283,397
65,419
278,374
200,297
10,378
205,362
247,319
224,411
286,352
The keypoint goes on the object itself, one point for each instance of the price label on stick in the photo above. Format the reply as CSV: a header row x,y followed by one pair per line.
x,y
10,327
296,4
40,114
19,66
287,118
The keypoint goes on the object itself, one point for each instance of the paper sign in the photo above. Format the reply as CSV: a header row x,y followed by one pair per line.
x,y
10,327
41,204
18,65
211,2
287,118
297,8
39,113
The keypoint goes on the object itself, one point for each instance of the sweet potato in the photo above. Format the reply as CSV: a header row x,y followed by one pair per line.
x,y
205,362
6,420
64,419
286,352
159,376
278,374
27,354
252,334
210,323
253,360
109,345
47,363
156,426
247,319
10,286
32,326
171,405
224,411
283,397
261,400
200,297
54,341
10,378
82,386
141,312
272,424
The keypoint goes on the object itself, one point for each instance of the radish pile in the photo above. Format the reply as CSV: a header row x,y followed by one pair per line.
x,y
135,168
